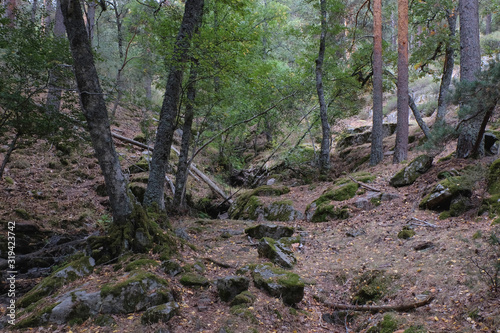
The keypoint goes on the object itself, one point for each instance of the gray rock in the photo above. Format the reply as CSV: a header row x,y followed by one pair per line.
x,y
445,192
269,230
76,305
277,252
410,173
171,267
230,286
279,283
160,313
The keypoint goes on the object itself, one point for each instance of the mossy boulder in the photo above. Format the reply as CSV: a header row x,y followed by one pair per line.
x,y
76,269
138,190
160,313
192,279
494,178
282,210
171,267
444,192
245,297
141,166
140,264
140,290
279,283
75,307
269,230
371,286
387,325
410,173
276,251
326,212
230,286
406,233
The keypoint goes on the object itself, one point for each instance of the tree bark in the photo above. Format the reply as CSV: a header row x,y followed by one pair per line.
x,y
179,201
94,110
53,102
487,23
377,149
324,156
401,149
449,63
470,64
193,15
418,117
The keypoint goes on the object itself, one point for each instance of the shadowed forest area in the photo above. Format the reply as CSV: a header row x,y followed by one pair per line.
x,y
249,166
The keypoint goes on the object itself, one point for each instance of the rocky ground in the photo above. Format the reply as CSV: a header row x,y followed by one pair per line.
x,y
52,195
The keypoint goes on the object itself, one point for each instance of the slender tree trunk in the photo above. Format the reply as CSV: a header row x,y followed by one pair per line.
x,y
34,9
54,93
91,9
394,35
193,15
94,110
183,165
324,156
47,21
401,149
6,158
470,64
377,149
487,23
418,117
10,11
449,63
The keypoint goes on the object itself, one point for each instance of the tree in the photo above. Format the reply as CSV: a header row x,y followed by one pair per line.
x,y
401,149
324,157
470,64
377,149
193,14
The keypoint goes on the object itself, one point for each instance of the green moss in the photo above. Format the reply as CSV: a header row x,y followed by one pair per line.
x,y
371,286
136,277
406,233
22,213
459,185
494,178
9,180
140,263
444,215
415,329
37,319
104,320
325,212
194,280
243,311
387,325
245,297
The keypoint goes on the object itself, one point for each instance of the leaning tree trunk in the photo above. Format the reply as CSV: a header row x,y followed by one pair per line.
x,y
193,15
377,149
449,63
324,156
401,149
183,165
470,64
94,110
53,102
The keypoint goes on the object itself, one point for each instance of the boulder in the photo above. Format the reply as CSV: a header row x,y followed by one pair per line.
x,y
230,286
269,230
372,199
444,192
326,212
410,173
160,313
279,283
244,297
75,306
194,280
282,211
140,290
362,135
276,251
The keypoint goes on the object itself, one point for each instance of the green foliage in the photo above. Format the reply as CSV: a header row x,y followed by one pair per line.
x,y
490,44
486,259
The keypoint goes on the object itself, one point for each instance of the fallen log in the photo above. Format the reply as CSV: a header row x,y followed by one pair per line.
x,y
381,308
192,167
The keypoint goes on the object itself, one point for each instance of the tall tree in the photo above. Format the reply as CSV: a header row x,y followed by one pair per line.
x,y
193,15
470,65
401,149
94,110
377,149
324,157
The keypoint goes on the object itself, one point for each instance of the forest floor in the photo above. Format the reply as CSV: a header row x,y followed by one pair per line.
x,y
447,259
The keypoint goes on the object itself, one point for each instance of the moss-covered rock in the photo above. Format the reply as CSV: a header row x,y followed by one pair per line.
x,y
245,297
141,166
279,253
171,267
444,192
494,178
230,286
326,212
139,291
387,325
371,286
191,279
160,313
279,283
269,230
140,263
282,210
76,269
406,233
410,173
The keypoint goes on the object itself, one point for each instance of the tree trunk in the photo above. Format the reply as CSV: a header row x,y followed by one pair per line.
x,y
91,9
54,93
193,15
487,23
10,11
470,64
94,110
401,149
183,165
418,117
377,149
324,156
449,63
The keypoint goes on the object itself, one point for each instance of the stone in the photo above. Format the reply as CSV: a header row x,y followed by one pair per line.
x,y
230,286
194,280
269,230
75,306
277,252
244,297
171,267
410,173
444,192
160,313
279,283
